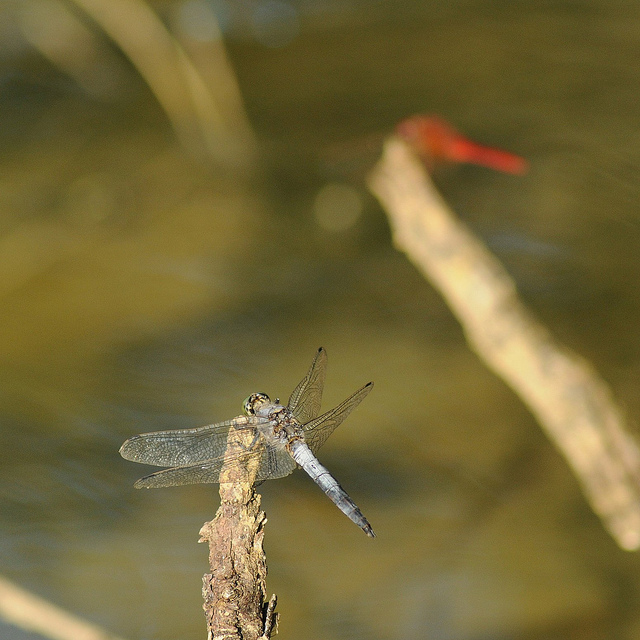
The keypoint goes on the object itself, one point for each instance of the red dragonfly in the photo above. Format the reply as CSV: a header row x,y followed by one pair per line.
x,y
435,139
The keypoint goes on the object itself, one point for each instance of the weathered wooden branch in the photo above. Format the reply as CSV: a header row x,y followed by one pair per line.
x,y
571,402
234,591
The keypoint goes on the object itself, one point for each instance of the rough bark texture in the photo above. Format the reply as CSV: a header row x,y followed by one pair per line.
x,y
571,402
234,591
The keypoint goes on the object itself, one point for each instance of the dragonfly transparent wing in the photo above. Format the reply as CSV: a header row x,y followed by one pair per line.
x,y
273,464
198,455
318,430
204,472
306,398
181,447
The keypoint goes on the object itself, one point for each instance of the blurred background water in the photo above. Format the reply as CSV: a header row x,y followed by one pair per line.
x,y
151,280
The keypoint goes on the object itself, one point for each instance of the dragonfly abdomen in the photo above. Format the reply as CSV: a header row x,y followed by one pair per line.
x,y
323,478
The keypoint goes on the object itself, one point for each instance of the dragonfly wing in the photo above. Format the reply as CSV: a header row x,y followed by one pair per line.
x,y
318,430
275,463
181,447
205,472
305,399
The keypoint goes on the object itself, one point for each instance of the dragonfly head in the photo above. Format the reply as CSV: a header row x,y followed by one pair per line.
x,y
253,402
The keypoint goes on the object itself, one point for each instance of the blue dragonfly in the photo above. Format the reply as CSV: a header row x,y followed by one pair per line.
x,y
284,437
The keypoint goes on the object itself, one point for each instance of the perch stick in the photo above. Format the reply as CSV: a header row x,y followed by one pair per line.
x,y
234,591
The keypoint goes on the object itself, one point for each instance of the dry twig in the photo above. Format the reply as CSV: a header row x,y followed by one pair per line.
x,y
206,112
234,591
571,402
30,612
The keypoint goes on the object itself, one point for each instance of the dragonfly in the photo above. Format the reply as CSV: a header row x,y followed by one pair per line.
x,y
435,139
432,138
282,438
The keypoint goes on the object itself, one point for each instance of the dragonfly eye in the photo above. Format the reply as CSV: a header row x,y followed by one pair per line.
x,y
255,399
